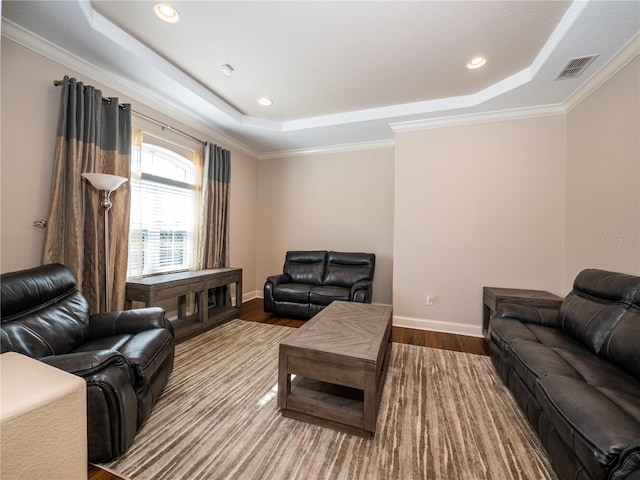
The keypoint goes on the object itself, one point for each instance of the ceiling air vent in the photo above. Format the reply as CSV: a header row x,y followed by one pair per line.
x,y
575,67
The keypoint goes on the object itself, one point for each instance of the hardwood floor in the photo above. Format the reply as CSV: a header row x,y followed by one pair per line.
x,y
253,311
96,473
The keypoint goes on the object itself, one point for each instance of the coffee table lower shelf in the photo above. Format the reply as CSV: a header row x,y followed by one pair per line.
x,y
327,405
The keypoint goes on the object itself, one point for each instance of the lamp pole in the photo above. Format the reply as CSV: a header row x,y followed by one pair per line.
x,y
105,183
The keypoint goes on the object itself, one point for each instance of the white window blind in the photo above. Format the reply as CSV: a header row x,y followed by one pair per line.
x,y
162,228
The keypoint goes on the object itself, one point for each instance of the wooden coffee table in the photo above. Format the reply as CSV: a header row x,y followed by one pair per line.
x,y
340,359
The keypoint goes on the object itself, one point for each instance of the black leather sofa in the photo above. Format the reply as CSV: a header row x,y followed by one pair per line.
x,y
125,357
576,374
311,280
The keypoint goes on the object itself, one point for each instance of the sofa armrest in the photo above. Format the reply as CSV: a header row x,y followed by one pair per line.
x,y
127,322
540,316
279,279
112,407
86,364
272,281
361,291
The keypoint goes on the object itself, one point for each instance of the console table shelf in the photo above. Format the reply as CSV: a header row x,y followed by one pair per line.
x,y
152,290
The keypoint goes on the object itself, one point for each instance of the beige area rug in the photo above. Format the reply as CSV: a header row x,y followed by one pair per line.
x,y
444,415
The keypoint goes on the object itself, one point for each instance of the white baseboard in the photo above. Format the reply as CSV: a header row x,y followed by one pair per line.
x,y
409,322
251,295
438,326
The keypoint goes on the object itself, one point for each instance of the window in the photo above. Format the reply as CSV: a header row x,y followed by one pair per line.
x,y
162,228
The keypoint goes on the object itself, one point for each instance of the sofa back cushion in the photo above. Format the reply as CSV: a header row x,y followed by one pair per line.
x,y
42,311
345,269
621,346
596,304
305,266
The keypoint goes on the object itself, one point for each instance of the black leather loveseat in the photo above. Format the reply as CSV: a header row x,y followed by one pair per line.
x,y
124,357
576,374
311,280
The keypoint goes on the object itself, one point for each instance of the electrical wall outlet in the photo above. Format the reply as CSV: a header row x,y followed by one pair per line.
x,y
429,299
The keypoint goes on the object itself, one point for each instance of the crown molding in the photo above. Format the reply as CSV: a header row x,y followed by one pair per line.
x,y
146,97
175,111
626,54
475,118
349,147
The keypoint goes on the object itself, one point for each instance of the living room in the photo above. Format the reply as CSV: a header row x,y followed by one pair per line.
x,y
447,209
521,198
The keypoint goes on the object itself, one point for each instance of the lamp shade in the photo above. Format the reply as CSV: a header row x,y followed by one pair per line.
x,y
104,181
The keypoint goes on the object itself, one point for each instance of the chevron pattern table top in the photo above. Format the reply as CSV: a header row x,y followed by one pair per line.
x,y
347,329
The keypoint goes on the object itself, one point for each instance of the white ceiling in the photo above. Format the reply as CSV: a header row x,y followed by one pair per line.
x,y
338,72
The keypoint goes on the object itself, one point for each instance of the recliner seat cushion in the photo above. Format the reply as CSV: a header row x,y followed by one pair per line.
x,y
505,331
326,295
532,361
292,292
114,342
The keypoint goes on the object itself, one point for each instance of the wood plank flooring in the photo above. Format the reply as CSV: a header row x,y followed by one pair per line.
x,y
253,311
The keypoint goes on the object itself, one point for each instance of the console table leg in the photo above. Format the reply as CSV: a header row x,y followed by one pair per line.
x,y
203,306
182,306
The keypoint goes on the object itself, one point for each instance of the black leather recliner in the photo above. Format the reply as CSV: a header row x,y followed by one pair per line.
x,y
576,374
311,280
125,357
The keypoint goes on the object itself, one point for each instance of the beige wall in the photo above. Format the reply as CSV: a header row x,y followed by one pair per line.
x,y
520,203
603,178
339,201
476,205
29,121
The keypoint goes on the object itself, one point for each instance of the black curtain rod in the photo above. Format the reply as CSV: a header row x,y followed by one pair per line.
x,y
164,126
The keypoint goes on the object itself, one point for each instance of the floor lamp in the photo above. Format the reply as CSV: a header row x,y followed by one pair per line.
x,y
106,184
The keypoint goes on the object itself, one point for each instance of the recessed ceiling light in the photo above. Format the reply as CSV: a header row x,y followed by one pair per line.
x,y
166,12
265,101
476,63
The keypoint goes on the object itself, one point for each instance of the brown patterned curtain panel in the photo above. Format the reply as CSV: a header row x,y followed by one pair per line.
x,y
214,221
94,135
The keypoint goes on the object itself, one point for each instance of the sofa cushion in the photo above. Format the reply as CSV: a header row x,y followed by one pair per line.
x,y
23,292
54,329
305,267
590,420
326,295
621,345
345,269
532,361
610,286
114,342
292,292
505,331
596,304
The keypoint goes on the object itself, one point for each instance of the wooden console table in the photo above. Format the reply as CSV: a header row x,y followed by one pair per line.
x,y
151,290
492,297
